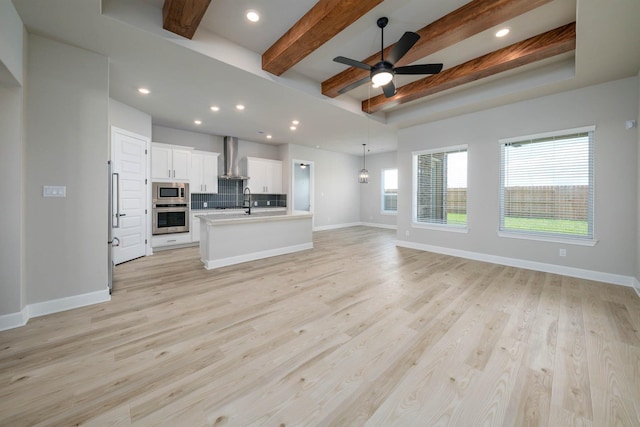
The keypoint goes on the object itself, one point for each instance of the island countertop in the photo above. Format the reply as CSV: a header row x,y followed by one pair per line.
x,y
213,219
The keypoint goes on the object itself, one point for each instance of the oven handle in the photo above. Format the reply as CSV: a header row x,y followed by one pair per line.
x,y
117,175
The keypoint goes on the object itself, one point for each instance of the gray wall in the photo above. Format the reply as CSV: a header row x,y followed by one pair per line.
x,y
337,192
371,193
214,143
12,39
12,57
637,129
67,144
11,175
607,106
128,118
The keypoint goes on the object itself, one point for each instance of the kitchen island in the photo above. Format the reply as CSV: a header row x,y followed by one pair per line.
x,y
233,239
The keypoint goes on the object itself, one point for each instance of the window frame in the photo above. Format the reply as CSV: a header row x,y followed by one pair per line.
x,y
384,211
543,236
456,228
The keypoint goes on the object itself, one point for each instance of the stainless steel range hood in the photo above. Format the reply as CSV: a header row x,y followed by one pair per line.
x,y
231,160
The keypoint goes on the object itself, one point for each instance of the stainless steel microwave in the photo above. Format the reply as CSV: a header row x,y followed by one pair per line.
x,y
170,192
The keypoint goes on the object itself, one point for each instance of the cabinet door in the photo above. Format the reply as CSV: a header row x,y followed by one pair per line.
x,y
161,168
195,228
195,174
181,164
257,171
210,173
274,178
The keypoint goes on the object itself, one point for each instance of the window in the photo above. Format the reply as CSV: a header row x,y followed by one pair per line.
x,y
389,190
546,185
440,182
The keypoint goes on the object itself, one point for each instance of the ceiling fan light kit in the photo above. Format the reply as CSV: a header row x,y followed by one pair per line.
x,y
382,73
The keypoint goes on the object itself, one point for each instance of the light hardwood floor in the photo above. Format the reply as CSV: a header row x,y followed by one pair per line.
x,y
353,332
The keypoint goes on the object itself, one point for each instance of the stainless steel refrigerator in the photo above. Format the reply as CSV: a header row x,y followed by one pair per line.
x,y
112,242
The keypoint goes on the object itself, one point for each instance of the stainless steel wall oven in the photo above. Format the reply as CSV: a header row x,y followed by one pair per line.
x,y
170,207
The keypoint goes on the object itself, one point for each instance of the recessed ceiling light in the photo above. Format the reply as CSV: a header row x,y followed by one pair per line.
x,y
293,128
198,122
144,91
240,107
269,136
502,32
215,108
252,15
295,122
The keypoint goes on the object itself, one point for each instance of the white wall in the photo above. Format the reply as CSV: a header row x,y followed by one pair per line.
x,y
337,192
371,193
128,118
67,144
607,106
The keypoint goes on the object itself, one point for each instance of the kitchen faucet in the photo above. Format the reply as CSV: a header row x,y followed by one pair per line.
x,y
247,198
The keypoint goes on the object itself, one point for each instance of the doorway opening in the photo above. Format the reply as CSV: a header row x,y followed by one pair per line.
x,y
302,186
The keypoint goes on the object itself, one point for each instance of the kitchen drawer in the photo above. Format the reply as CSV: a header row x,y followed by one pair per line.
x,y
170,239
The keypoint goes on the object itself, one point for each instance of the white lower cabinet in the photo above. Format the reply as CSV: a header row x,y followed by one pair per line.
x,y
170,239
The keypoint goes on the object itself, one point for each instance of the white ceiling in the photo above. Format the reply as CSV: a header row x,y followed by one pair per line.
x,y
222,64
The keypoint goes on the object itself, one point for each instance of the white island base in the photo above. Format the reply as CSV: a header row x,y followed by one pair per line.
x,y
229,241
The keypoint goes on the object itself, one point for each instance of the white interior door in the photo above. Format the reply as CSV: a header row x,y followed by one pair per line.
x,y
129,218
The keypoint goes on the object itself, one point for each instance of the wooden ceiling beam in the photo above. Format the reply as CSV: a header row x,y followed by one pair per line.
x,y
464,22
182,17
321,23
542,46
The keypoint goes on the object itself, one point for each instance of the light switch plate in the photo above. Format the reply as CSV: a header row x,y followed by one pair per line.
x,y
54,191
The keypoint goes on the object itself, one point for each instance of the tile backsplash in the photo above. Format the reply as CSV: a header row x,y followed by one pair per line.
x,y
230,193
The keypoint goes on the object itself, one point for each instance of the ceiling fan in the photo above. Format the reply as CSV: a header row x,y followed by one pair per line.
x,y
381,74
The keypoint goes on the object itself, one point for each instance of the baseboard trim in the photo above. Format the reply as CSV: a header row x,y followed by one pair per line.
x,y
217,263
15,320
636,285
336,226
616,279
376,225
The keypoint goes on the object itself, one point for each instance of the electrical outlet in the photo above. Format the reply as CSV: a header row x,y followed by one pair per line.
x,y
268,202
406,233
562,252
204,204
255,203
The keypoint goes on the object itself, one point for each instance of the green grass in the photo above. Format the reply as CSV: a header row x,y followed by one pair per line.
x,y
556,226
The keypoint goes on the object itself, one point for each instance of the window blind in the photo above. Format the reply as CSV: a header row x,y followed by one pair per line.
x,y
546,185
441,186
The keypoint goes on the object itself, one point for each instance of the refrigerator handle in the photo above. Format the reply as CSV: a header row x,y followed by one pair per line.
x,y
117,175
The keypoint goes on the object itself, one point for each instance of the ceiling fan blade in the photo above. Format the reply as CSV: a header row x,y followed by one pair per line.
x,y
389,89
354,85
352,63
419,69
405,43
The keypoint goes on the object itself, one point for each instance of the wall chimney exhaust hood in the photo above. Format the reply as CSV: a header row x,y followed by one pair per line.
x,y
231,160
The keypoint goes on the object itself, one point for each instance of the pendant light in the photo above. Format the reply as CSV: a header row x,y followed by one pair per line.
x,y
364,173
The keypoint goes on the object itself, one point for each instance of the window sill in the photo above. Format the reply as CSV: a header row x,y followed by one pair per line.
x,y
550,239
441,227
394,213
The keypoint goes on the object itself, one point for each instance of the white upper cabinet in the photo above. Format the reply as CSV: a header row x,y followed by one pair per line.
x,y
265,176
204,172
169,163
